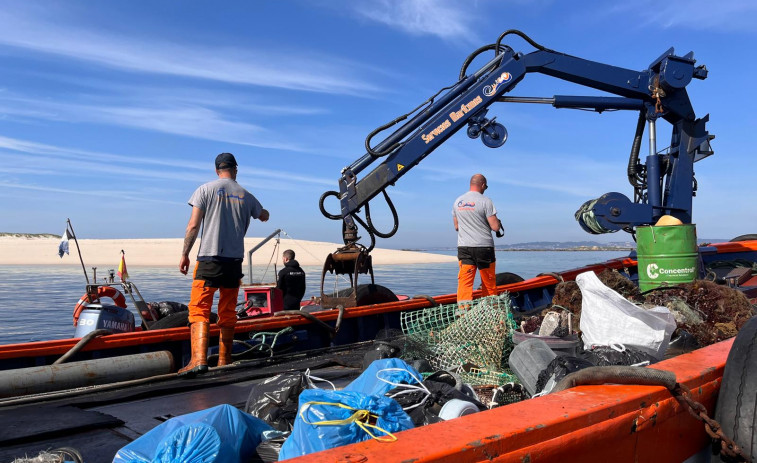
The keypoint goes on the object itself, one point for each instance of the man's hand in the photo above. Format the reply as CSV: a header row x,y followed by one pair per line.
x,y
264,215
184,264
193,227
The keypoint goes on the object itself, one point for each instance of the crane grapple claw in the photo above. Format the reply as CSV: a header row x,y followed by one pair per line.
x,y
351,260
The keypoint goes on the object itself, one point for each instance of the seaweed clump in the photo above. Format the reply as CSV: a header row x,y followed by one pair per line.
x,y
710,312
568,294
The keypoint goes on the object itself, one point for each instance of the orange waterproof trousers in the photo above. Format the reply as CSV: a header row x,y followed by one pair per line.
x,y
465,281
201,300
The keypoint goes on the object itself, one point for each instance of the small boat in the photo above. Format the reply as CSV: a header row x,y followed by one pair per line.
x,y
586,423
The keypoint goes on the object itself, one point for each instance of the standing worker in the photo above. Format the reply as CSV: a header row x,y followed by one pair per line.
x,y
475,218
291,281
223,208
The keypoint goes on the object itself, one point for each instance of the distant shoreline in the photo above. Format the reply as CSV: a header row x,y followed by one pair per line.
x,y
569,249
578,249
42,249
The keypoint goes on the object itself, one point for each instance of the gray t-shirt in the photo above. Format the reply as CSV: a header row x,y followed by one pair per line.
x,y
228,208
472,210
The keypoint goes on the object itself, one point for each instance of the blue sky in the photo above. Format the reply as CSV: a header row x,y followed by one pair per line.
x,y
111,113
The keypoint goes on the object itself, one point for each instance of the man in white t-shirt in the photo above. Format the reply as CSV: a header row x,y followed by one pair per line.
x,y
475,218
224,209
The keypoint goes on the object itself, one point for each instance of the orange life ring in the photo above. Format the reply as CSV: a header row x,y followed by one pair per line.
x,y
102,291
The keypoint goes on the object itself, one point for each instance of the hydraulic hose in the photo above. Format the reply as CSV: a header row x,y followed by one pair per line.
x,y
524,37
395,217
310,317
323,208
472,56
618,375
80,345
373,152
634,175
368,229
428,298
316,320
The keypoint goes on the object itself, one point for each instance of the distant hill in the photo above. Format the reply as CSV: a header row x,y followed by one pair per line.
x,y
573,246
581,245
568,246
29,235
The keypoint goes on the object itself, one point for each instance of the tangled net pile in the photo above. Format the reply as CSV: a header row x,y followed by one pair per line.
x,y
473,339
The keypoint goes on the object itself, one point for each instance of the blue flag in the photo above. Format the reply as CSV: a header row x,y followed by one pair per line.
x,y
63,246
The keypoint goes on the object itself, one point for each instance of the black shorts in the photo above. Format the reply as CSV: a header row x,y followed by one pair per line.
x,y
219,274
480,257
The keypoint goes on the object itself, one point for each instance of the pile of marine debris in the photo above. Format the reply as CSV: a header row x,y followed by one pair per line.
x,y
703,309
451,361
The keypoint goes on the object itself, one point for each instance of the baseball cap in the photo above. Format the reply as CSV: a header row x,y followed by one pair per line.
x,y
225,160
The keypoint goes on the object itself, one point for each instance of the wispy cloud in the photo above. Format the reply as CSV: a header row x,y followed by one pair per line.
x,y
100,195
448,19
726,15
60,159
190,121
303,70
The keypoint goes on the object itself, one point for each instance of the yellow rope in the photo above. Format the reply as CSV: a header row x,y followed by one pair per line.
x,y
360,418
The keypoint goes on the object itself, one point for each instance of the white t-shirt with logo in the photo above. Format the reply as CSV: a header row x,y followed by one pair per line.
x,y
228,208
472,211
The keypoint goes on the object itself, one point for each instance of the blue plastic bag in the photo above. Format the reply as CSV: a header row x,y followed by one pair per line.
x,y
396,371
329,419
221,434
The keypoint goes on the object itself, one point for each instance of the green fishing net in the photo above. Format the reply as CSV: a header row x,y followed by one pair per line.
x,y
472,339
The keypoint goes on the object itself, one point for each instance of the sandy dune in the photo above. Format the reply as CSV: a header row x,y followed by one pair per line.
x,y
18,250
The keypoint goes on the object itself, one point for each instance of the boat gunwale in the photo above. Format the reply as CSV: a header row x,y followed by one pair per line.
x,y
61,346
140,338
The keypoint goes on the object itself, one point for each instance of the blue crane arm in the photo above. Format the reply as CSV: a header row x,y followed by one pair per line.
x,y
664,184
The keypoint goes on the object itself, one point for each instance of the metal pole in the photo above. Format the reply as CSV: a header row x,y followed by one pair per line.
x,y
258,246
68,224
654,176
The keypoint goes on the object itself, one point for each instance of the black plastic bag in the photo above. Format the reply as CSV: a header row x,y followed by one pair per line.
x,y
275,399
560,367
380,350
166,308
442,387
682,342
268,450
602,356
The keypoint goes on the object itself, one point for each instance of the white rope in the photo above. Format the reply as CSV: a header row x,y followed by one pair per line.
x,y
310,379
616,346
270,259
408,387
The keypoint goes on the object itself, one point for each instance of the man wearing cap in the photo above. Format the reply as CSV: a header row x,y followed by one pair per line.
x,y
475,218
223,208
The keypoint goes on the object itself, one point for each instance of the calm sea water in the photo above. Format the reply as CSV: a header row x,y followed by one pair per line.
x,y
36,302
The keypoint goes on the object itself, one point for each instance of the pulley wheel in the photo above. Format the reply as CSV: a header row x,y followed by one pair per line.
x,y
474,131
494,136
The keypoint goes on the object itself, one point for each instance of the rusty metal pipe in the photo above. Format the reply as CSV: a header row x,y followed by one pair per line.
x,y
36,380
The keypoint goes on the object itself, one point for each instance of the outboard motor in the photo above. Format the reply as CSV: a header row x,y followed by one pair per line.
x,y
104,316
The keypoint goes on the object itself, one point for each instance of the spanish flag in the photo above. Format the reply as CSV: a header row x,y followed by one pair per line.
x,y
122,273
